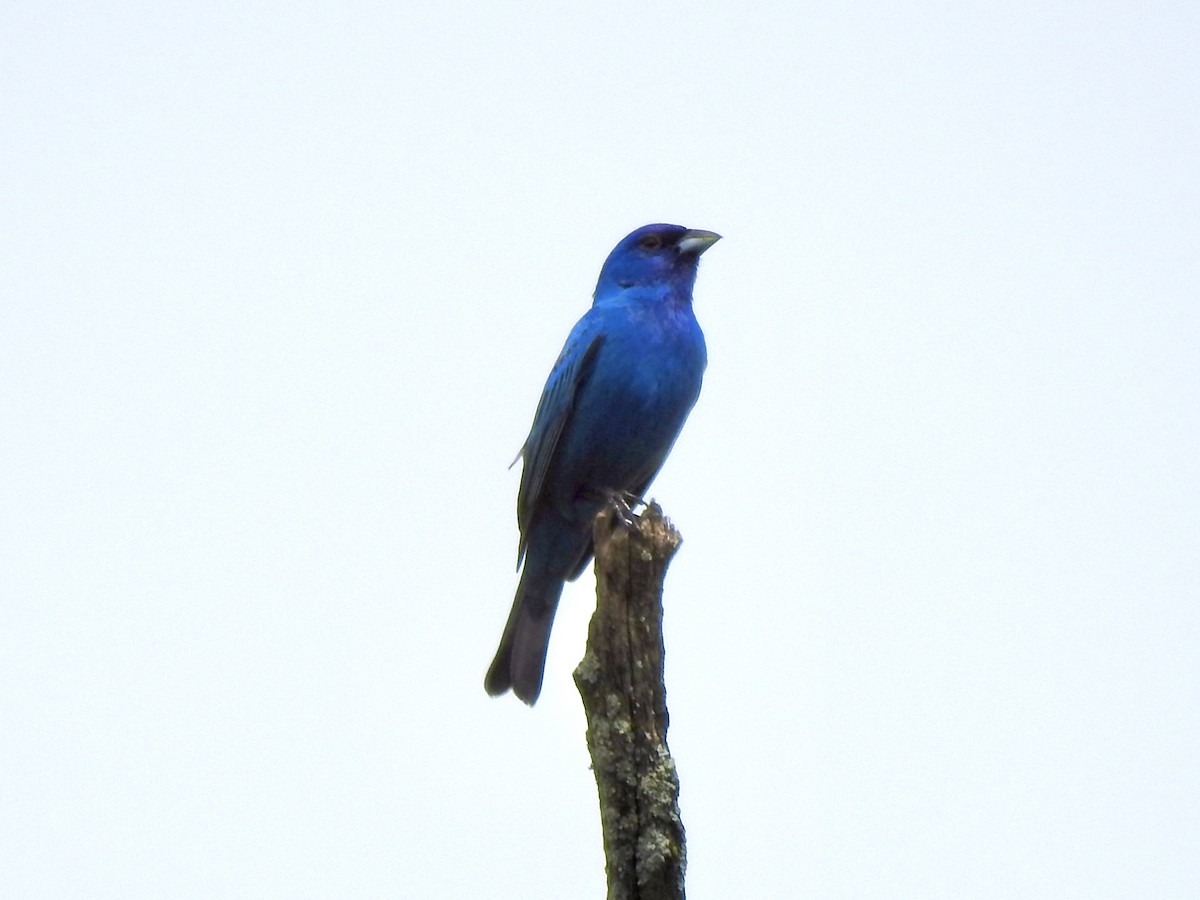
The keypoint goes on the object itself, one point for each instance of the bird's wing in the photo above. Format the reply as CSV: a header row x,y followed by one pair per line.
x,y
570,372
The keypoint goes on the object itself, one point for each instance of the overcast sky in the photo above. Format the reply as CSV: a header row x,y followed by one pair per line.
x,y
280,285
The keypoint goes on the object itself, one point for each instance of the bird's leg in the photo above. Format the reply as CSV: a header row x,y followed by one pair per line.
x,y
624,503
635,502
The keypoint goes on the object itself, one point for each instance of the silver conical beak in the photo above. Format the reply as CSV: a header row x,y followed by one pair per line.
x,y
697,241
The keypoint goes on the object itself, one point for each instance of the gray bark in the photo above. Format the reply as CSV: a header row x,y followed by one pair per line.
x,y
621,682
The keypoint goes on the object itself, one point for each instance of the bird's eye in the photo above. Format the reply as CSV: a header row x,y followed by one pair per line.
x,y
650,242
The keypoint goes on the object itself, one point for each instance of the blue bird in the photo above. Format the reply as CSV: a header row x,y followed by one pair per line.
x,y
613,405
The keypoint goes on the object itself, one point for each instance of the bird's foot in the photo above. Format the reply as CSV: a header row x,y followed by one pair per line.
x,y
624,503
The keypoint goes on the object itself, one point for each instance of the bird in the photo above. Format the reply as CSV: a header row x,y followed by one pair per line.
x,y
613,405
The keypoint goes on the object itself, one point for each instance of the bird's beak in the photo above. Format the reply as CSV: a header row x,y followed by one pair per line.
x,y
697,241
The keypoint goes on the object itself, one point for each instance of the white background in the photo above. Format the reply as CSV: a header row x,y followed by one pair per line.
x,y
280,285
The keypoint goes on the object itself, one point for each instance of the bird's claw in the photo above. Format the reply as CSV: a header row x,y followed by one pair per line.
x,y
624,503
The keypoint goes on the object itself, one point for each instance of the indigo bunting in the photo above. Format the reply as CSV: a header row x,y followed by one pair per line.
x,y
612,407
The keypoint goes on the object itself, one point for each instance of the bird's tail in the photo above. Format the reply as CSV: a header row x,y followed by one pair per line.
x,y
521,659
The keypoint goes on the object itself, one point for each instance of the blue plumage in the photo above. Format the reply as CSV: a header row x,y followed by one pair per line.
x,y
613,405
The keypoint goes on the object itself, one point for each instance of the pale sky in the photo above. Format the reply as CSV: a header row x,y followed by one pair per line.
x,y
280,286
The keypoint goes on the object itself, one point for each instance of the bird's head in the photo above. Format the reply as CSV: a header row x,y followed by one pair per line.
x,y
653,255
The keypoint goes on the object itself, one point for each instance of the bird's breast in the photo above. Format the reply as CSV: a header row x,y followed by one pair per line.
x,y
654,364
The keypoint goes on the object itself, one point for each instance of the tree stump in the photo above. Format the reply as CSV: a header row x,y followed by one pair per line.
x,y
621,682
